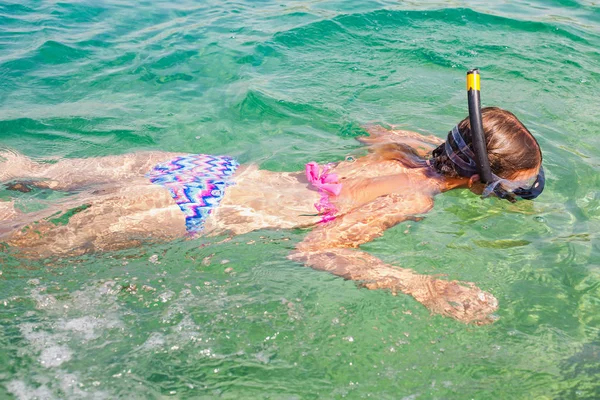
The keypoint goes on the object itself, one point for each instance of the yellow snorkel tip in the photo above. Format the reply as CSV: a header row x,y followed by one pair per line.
x,y
473,80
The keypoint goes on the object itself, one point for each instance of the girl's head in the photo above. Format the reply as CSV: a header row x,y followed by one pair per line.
x,y
514,154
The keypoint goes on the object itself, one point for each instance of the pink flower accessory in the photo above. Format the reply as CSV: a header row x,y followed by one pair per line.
x,y
327,185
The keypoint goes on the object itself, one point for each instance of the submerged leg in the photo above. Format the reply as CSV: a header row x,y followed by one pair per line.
x,y
14,165
7,210
67,174
126,217
8,213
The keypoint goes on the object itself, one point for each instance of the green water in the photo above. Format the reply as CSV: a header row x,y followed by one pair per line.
x,y
281,84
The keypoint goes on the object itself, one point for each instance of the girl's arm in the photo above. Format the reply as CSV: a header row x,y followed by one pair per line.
x,y
378,135
328,248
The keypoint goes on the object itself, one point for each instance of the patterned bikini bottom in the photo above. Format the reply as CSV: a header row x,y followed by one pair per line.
x,y
197,183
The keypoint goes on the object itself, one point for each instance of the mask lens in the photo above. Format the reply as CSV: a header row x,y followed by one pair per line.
x,y
535,189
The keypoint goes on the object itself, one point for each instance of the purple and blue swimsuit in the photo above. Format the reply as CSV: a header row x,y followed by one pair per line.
x,y
197,183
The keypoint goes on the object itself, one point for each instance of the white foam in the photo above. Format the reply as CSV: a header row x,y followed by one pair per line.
x,y
155,340
90,327
67,384
24,392
54,356
42,301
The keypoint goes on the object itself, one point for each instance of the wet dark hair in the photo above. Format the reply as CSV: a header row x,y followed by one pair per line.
x,y
510,146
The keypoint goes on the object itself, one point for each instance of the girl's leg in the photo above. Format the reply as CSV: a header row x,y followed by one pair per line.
x,y
130,215
68,174
8,213
7,210
13,165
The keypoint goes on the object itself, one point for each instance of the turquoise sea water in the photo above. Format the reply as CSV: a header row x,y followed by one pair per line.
x,y
281,84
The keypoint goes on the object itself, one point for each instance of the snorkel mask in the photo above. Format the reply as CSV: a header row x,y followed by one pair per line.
x,y
470,162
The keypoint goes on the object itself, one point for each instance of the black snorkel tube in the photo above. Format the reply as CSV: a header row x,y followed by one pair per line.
x,y
477,136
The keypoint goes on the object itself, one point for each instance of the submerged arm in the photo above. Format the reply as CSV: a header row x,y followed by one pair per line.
x,y
378,135
328,248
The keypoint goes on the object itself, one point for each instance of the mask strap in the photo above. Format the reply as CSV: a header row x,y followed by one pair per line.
x,y
461,145
489,189
468,167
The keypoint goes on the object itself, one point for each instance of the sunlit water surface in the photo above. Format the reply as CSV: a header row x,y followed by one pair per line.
x,y
281,84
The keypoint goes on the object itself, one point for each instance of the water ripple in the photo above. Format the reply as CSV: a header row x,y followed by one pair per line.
x,y
282,84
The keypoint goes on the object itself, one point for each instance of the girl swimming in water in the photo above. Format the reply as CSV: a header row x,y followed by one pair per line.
x,y
123,201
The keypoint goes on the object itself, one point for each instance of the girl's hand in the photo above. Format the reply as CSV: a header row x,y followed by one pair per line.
x,y
460,300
